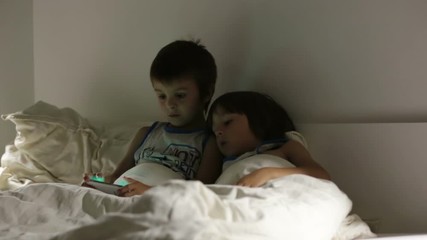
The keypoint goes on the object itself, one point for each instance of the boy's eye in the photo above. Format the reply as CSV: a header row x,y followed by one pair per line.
x,y
227,122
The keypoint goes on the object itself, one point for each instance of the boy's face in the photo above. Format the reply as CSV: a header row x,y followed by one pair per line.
x,y
180,102
233,134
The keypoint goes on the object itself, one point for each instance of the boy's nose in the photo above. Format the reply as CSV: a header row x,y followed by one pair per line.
x,y
171,104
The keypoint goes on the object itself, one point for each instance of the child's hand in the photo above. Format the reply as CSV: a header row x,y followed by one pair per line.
x,y
256,178
133,188
86,178
107,179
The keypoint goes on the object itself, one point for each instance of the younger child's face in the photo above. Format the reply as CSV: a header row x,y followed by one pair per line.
x,y
180,101
233,134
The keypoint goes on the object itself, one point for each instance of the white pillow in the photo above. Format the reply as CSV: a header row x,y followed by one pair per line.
x,y
151,174
59,145
240,168
52,144
237,169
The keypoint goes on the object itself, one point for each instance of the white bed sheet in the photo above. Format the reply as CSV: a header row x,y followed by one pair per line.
x,y
293,207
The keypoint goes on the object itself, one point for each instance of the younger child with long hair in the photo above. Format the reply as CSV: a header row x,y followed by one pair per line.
x,y
248,123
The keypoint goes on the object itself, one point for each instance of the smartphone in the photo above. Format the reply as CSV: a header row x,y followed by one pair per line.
x,y
104,187
97,178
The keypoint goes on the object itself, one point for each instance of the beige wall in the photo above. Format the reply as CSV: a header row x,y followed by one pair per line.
x,y
16,62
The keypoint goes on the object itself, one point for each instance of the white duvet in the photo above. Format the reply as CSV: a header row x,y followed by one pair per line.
x,y
292,207
58,145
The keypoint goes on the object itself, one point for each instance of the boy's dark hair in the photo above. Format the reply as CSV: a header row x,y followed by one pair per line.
x,y
267,119
186,59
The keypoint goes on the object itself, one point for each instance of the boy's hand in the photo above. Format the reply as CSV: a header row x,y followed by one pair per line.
x,y
256,178
133,188
86,179
107,179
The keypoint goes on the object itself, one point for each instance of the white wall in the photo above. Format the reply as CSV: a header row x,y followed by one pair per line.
x,y
95,55
343,61
326,61
16,62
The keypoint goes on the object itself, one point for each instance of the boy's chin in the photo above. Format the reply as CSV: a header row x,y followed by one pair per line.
x,y
182,123
176,124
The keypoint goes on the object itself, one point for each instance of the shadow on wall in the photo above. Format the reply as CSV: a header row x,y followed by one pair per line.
x,y
291,77
117,102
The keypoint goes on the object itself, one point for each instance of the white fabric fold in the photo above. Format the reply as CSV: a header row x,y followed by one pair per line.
x,y
292,207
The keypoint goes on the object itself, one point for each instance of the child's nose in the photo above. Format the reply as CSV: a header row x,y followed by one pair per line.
x,y
218,133
171,104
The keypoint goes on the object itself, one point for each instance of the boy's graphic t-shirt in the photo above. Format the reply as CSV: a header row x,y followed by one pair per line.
x,y
176,149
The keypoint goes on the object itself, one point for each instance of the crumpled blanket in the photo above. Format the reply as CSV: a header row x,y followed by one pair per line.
x,y
58,145
291,207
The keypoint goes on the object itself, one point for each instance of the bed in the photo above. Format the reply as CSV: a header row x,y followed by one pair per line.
x,y
41,197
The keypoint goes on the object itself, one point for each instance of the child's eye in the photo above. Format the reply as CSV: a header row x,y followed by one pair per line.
x,y
227,122
161,97
180,95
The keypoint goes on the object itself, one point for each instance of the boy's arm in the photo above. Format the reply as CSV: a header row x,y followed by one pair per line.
x,y
128,160
295,153
211,163
298,155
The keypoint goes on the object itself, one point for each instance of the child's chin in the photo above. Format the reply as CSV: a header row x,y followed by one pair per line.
x,y
229,154
175,123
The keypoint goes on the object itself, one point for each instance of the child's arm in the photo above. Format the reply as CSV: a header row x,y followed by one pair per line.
x,y
128,160
133,188
211,163
298,155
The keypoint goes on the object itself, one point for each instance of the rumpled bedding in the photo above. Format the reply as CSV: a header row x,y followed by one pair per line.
x,y
40,197
58,145
292,207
